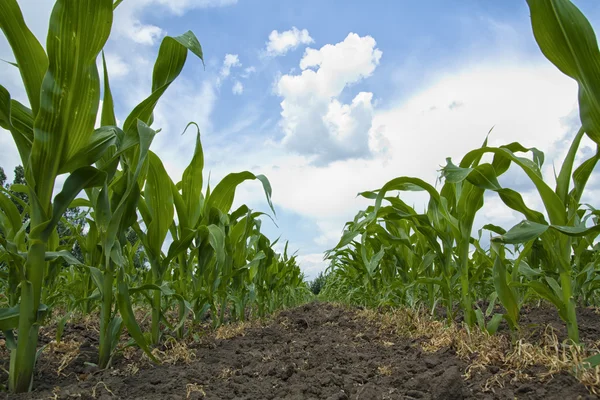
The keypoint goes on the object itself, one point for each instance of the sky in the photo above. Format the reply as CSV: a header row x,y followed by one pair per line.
x,y
331,98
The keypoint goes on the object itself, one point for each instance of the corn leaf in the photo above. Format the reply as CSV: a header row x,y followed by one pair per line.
x,y
70,90
567,39
29,53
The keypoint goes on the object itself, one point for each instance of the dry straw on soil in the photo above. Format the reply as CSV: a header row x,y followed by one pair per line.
x,y
515,361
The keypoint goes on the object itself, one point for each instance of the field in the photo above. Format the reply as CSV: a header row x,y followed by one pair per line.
x,y
117,281
319,351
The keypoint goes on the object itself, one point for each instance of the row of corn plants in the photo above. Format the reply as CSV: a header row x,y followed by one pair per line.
x,y
218,264
393,254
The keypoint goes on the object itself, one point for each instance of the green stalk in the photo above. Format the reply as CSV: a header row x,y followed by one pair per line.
x,y
572,326
464,283
105,316
447,278
23,359
156,304
183,279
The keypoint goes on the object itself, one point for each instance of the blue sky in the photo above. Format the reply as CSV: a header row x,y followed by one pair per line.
x,y
329,98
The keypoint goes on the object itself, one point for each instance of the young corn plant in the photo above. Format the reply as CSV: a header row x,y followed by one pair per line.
x,y
55,135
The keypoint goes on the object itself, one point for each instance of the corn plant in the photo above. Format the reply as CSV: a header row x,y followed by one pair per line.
x,y
54,136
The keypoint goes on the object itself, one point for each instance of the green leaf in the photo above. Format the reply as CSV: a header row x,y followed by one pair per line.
x,y
28,51
102,139
82,178
159,199
544,291
169,63
180,246
70,91
567,39
13,218
552,202
126,310
60,326
564,177
523,232
216,238
505,292
528,230
191,186
64,254
494,323
223,195
115,327
9,317
17,119
108,108
582,175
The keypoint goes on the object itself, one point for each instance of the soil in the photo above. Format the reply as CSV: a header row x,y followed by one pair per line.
x,y
316,351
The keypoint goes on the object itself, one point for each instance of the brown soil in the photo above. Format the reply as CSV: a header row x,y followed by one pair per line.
x,y
317,351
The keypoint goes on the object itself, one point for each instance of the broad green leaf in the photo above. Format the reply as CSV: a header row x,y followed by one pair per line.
x,y
223,194
159,199
9,317
216,238
102,139
191,185
180,246
169,63
564,177
13,219
494,323
70,91
528,230
582,175
65,255
29,53
552,202
567,39
125,308
17,119
97,278
82,178
505,293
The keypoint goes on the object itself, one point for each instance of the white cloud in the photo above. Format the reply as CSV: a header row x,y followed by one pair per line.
x,y
237,88
174,149
526,103
248,71
127,23
312,264
116,65
128,16
280,43
315,122
230,61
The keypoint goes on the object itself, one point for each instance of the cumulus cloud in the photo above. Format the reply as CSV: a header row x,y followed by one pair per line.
x,y
281,42
412,137
237,88
314,120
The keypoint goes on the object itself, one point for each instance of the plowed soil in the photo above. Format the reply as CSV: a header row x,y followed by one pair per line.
x,y
316,351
